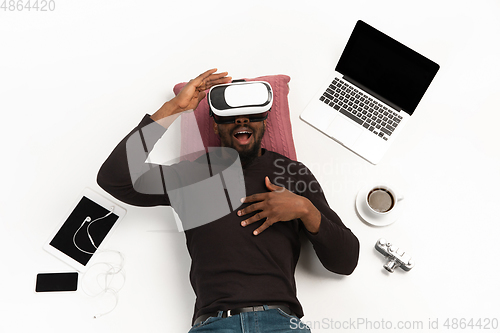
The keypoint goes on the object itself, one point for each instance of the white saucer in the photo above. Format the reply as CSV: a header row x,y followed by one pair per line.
x,y
381,220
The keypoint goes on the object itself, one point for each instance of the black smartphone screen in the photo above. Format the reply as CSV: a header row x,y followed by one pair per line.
x,y
56,282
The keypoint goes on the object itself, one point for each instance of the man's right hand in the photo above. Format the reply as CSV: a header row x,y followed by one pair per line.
x,y
194,91
192,94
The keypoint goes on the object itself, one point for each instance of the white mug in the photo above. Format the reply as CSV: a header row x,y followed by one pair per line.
x,y
381,200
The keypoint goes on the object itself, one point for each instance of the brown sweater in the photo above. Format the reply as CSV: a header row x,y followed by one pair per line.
x,y
231,267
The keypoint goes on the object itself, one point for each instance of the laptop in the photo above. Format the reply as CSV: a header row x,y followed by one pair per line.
x,y
377,86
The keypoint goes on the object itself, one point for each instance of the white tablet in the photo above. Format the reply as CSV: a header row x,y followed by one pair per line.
x,y
88,223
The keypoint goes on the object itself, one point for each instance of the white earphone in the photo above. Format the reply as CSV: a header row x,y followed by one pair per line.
x,y
106,279
113,269
89,219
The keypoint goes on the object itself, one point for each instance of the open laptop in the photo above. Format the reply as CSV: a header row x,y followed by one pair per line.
x,y
379,83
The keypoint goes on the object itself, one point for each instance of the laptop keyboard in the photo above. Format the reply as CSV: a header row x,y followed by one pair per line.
x,y
361,108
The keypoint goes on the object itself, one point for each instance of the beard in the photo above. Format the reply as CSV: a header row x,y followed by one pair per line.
x,y
247,153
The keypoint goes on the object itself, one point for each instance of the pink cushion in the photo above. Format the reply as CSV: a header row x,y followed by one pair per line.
x,y
278,135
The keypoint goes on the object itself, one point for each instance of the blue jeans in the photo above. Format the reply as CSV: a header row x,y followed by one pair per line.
x,y
273,320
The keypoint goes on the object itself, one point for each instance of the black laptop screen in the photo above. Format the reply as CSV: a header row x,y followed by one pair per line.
x,y
386,68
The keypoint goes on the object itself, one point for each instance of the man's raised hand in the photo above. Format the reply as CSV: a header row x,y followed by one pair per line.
x,y
189,97
194,91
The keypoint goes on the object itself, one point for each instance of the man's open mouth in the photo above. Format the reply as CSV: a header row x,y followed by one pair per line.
x,y
243,136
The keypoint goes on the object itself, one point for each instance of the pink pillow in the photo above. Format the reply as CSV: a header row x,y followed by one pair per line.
x,y
278,135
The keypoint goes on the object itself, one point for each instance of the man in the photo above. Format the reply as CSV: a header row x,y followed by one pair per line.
x,y
243,263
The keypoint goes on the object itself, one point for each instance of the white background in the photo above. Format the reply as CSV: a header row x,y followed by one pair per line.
x,y
74,81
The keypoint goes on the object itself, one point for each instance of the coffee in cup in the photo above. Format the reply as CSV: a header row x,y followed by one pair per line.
x,y
381,200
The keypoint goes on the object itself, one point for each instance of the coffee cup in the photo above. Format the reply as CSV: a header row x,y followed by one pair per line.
x,y
381,200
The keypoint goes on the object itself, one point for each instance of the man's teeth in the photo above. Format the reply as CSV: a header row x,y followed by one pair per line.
x,y
243,132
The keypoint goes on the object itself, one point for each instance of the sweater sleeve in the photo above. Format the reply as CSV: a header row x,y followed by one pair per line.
x,y
125,174
335,245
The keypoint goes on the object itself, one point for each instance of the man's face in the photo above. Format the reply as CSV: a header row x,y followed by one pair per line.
x,y
244,136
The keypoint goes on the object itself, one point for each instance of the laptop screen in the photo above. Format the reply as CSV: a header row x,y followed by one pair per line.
x,y
384,67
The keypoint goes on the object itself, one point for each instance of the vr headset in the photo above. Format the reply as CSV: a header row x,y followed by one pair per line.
x,y
230,101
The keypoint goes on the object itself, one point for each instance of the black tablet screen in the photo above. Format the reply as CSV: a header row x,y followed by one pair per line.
x,y
63,240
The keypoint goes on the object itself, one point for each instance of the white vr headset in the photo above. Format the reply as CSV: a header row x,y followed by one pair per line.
x,y
253,98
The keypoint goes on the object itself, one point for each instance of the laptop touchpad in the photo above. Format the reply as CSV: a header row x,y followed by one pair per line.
x,y
344,130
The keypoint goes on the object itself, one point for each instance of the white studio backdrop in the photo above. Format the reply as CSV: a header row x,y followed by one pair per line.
x,y
76,79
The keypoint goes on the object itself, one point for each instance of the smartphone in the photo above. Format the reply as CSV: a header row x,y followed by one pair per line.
x,y
46,282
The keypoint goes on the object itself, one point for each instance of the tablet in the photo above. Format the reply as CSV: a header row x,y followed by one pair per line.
x,y
82,232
